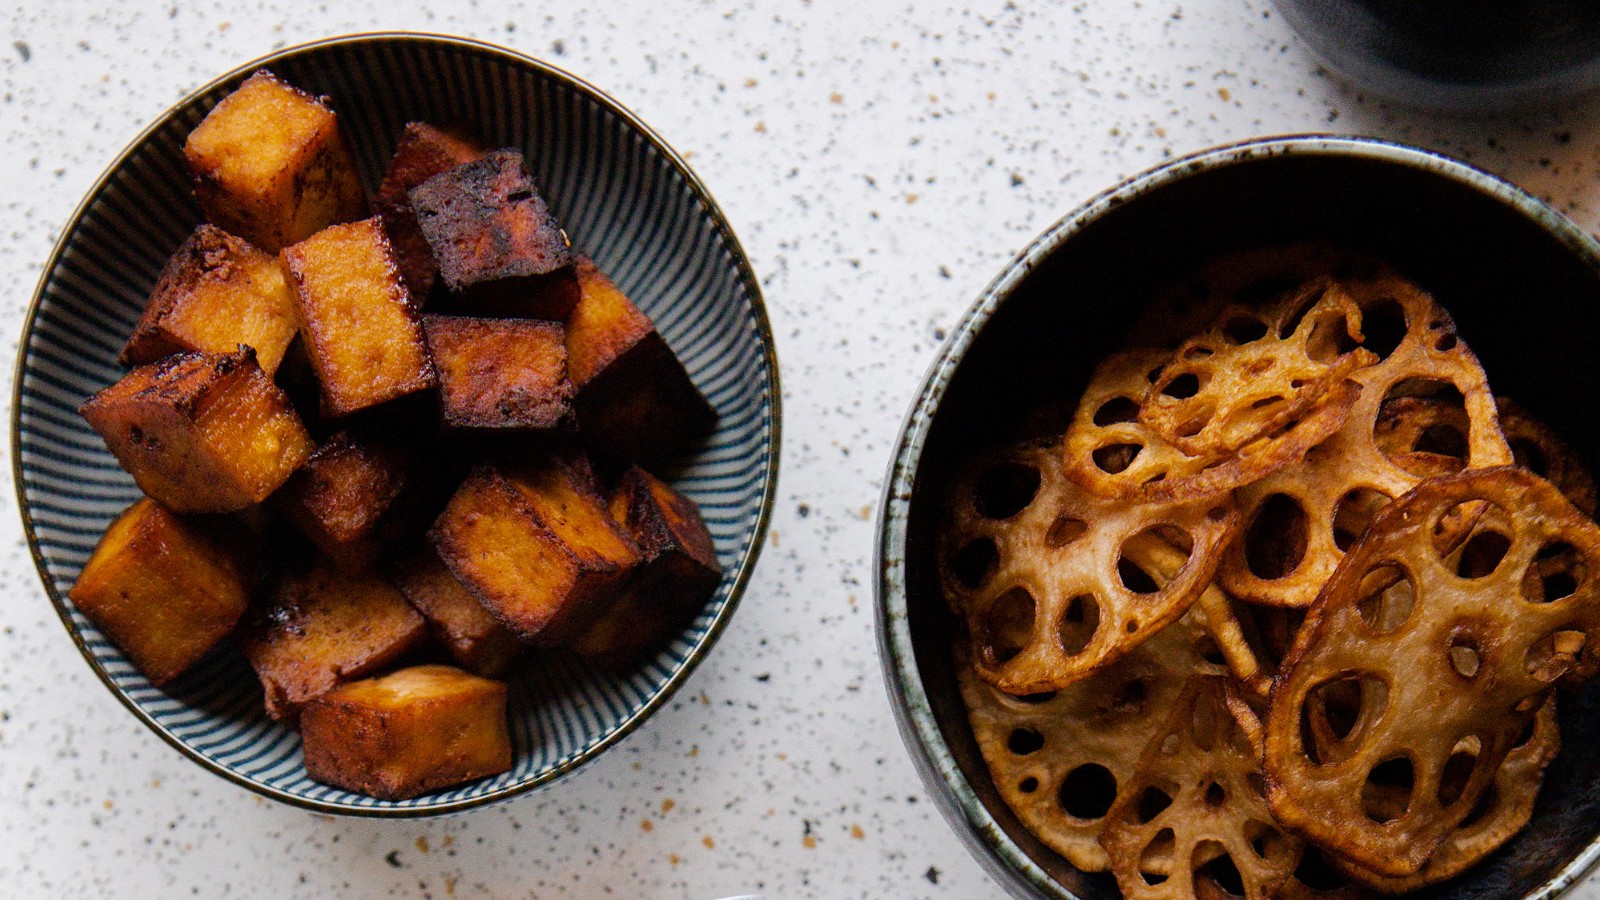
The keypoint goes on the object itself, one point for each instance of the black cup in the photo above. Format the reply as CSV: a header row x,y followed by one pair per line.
x,y
1462,56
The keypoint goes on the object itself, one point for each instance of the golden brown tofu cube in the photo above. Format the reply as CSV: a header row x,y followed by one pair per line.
x,y
603,327
408,733
423,151
271,164
342,492
364,339
634,398
679,572
322,628
474,638
537,547
495,240
201,432
216,293
163,589
500,373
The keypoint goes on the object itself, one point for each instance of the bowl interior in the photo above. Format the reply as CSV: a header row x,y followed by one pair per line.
x,y
1525,296
624,198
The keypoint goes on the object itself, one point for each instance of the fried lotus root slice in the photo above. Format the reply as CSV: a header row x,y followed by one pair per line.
x,y
1251,374
1055,583
1502,811
1251,279
1238,644
1417,661
1112,454
1196,817
1541,451
1254,639
1227,646
1423,435
1060,759
1298,522
1316,877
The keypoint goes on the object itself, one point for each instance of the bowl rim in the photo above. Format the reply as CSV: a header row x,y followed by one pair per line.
x,y
943,778
746,273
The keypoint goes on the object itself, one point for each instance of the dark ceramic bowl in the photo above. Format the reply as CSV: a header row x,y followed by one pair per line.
x,y
622,194
1522,282
1460,56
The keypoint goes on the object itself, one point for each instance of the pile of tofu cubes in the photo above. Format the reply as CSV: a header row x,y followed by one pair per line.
x,y
389,448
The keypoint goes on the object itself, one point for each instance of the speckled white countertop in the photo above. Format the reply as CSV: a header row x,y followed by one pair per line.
x,y
880,161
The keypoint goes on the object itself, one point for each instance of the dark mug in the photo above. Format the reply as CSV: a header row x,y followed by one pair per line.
x,y
1465,56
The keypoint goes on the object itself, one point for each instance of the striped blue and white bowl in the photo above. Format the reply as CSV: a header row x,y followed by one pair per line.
x,y
624,196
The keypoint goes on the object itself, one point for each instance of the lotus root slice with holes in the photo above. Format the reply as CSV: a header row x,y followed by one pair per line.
x,y
1196,816
1227,645
1251,279
1541,451
1059,759
1112,454
1416,655
1299,521
1055,583
1502,811
1316,877
1240,646
1252,374
1425,436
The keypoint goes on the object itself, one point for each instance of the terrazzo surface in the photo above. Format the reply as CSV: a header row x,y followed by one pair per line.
x,y
880,161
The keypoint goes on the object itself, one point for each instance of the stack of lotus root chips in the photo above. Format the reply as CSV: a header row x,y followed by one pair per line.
x,y
1284,610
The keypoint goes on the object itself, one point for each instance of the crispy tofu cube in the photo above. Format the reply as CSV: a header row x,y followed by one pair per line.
x,y
163,589
500,373
537,547
364,339
474,638
408,733
342,493
495,240
679,572
271,164
201,432
322,628
634,398
216,293
603,327
423,151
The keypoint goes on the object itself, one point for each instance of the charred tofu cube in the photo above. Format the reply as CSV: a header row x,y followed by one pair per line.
x,y
163,589
216,293
474,638
537,547
495,240
679,572
500,373
342,492
364,339
423,152
407,733
634,398
322,628
201,432
272,165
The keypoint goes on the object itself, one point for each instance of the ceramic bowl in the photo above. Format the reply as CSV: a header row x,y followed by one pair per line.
x,y
623,195
1444,56
1522,282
